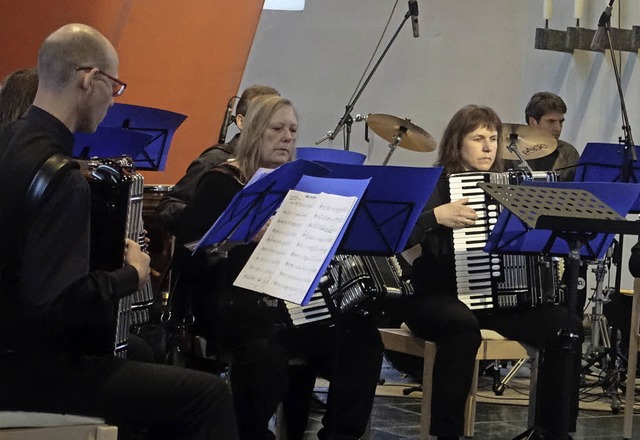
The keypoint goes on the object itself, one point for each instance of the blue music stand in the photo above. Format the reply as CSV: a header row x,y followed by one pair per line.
x,y
513,235
108,142
250,209
576,213
318,154
389,208
602,162
159,124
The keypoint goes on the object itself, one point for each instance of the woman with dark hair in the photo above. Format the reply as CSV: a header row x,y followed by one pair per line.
x,y
248,328
472,142
17,94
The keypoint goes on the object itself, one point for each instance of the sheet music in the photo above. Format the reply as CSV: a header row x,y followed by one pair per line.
x,y
296,244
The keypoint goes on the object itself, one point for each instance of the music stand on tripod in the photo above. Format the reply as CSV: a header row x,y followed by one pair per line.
x,y
569,218
159,124
607,162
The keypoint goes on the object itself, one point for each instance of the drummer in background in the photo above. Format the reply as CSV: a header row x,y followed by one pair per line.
x,y
173,203
546,110
472,142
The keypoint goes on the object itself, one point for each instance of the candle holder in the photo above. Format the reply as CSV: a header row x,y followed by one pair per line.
x,y
551,39
580,38
635,38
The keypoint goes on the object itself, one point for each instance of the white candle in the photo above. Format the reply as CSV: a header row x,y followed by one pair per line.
x,y
547,10
578,9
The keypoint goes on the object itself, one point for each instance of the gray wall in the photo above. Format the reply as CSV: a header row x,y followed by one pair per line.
x,y
469,51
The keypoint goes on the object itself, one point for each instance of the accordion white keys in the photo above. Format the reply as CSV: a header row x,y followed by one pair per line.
x,y
353,282
487,282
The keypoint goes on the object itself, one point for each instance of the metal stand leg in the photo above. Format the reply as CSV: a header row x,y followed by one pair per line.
x,y
601,351
499,390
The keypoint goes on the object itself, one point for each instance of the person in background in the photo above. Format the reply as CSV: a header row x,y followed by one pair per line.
x,y
472,142
249,329
51,305
181,195
17,93
546,110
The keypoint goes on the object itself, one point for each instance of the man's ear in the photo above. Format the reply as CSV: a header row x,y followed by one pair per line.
x,y
532,121
85,80
240,121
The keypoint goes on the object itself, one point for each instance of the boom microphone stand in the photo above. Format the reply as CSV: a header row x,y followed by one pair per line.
x,y
628,157
347,119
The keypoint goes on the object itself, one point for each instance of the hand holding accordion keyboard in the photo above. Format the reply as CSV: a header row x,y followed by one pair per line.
x,y
353,282
485,281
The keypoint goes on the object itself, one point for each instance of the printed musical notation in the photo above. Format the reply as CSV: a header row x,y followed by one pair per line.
x,y
296,244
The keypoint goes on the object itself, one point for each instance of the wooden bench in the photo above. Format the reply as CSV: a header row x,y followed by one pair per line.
x,y
494,346
21,425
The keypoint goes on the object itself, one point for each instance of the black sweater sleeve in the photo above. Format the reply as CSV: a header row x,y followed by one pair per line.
x,y
59,292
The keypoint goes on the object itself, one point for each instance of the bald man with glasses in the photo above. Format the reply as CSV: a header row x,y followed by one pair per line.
x,y
50,302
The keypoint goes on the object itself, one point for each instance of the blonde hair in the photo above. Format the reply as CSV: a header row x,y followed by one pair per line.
x,y
257,120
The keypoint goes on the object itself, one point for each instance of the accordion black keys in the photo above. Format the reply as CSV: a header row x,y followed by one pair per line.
x,y
487,282
116,214
354,282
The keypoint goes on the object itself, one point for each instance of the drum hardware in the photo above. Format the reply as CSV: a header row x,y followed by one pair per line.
x,y
400,132
525,142
602,350
347,120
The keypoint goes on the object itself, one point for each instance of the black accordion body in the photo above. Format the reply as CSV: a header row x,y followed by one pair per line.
x,y
488,282
116,214
353,282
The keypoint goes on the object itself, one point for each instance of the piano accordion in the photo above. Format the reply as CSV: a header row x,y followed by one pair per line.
x,y
116,214
488,282
354,282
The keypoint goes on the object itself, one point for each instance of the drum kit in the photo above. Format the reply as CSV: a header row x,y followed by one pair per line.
x,y
520,142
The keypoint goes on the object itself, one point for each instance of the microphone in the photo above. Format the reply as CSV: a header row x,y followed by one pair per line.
x,y
413,11
222,137
600,39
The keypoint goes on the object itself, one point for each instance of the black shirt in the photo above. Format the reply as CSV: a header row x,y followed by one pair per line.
x,y
434,270
48,297
183,192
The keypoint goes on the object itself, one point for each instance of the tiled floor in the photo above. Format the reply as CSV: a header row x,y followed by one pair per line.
x,y
399,418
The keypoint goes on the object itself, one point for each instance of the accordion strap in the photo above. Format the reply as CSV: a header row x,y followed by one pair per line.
x,y
48,173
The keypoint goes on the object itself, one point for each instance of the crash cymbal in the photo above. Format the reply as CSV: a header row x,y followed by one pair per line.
x,y
411,136
533,142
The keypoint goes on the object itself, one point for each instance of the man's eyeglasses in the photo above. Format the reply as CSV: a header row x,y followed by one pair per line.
x,y
117,86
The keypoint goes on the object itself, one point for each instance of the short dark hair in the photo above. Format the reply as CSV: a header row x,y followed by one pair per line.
x,y
250,93
17,94
463,122
543,103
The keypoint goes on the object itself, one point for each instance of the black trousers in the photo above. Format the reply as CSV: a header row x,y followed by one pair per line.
x,y
261,378
250,336
350,358
456,331
165,402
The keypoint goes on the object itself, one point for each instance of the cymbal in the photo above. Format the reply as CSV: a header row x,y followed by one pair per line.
x,y
533,142
412,137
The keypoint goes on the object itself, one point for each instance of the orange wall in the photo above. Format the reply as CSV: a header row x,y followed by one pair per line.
x,y
183,56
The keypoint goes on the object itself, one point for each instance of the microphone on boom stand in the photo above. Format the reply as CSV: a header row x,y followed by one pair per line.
x,y
600,39
228,120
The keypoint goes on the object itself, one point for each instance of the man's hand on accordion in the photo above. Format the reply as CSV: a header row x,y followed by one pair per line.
x,y
456,214
134,256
